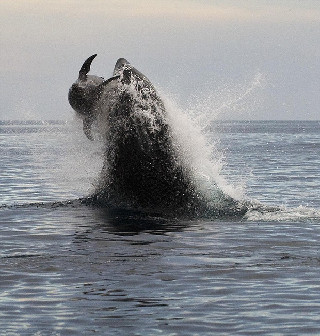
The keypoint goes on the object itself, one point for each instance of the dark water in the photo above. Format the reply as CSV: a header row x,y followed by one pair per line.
x,y
69,269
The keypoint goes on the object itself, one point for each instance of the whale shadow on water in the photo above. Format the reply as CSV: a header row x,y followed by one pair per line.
x,y
143,169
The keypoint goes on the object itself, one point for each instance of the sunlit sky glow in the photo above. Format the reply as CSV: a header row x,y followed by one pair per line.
x,y
187,48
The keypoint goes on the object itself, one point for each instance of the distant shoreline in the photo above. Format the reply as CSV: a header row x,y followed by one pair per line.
x,y
62,122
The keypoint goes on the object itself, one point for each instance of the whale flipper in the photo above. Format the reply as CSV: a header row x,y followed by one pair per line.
x,y
86,67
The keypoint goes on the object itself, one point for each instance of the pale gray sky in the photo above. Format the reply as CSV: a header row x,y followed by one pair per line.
x,y
249,59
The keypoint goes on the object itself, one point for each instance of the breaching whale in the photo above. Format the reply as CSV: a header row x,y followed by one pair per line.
x,y
143,168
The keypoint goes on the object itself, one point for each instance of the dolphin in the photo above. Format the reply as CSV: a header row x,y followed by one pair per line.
x,y
143,167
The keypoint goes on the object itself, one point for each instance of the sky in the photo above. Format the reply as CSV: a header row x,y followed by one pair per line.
x,y
252,59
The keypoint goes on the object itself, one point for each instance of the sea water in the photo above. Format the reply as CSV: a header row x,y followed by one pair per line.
x,y
70,269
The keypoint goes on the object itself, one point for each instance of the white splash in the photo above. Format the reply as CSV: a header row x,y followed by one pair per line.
x,y
198,153
282,214
231,100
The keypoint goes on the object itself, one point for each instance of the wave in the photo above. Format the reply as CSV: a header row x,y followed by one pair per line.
x,y
258,212
46,205
255,212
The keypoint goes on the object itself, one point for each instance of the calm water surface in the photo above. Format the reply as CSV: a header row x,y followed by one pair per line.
x,y
69,269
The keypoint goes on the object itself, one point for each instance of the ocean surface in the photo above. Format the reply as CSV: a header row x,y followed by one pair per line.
x,y
71,269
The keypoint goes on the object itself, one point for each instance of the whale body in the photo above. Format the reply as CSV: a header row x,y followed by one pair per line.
x,y
143,168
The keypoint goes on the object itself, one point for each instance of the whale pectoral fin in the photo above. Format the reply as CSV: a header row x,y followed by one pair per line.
x,y
86,67
87,123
